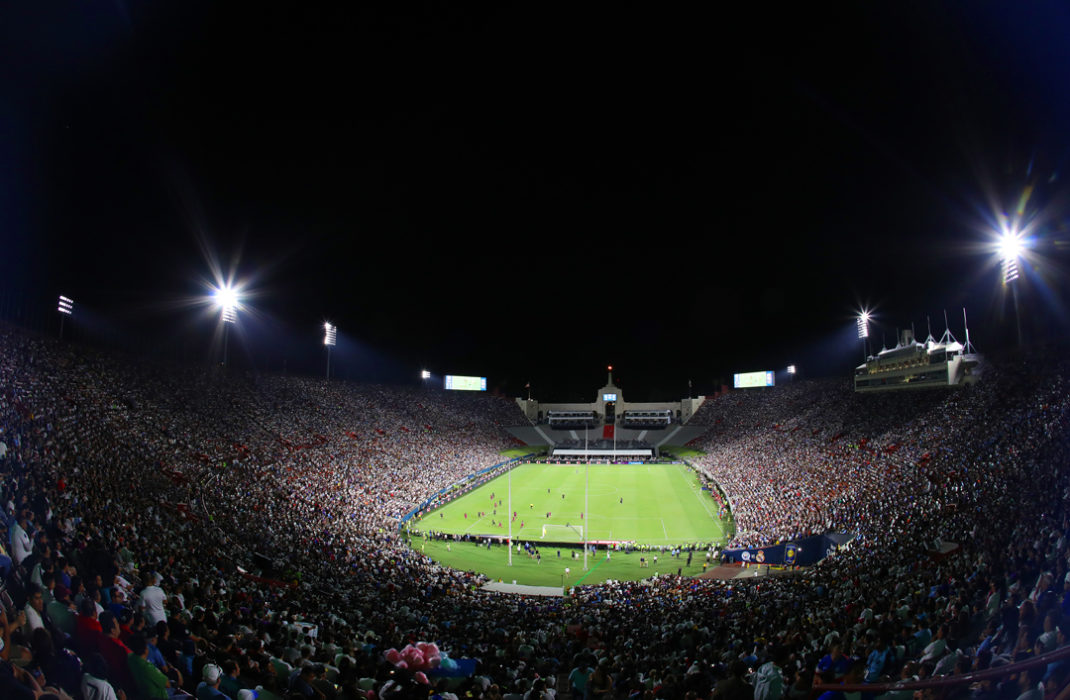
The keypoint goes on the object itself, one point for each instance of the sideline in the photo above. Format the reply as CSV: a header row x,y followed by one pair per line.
x,y
590,571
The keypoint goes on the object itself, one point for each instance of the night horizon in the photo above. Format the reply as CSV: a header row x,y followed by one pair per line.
x,y
533,197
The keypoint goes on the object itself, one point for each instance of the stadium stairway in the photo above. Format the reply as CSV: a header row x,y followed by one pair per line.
x,y
531,435
681,435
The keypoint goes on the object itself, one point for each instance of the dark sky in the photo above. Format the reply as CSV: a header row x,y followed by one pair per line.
x,y
532,192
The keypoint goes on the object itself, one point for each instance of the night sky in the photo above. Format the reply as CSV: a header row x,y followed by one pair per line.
x,y
534,191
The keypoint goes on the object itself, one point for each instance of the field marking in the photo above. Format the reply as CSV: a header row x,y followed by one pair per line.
x,y
481,527
702,501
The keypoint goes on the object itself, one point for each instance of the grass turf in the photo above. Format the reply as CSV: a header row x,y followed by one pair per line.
x,y
656,505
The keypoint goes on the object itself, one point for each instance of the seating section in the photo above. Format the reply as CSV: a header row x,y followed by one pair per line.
x,y
136,495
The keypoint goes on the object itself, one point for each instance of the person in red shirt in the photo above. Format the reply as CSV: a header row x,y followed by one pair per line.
x,y
115,652
87,629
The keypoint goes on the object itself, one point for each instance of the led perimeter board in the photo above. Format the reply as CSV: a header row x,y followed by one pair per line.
x,y
749,380
457,382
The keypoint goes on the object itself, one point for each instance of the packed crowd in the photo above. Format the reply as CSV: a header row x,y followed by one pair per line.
x,y
815,457
137,494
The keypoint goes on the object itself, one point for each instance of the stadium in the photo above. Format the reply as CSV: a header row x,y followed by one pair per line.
x,y
272,515
365,351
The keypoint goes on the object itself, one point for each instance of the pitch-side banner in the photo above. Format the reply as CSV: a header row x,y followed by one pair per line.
x,y
804,552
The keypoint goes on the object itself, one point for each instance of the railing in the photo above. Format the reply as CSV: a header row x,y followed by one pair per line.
x,y
947,682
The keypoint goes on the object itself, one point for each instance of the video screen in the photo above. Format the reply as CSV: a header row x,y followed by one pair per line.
x,y
461,383
749,380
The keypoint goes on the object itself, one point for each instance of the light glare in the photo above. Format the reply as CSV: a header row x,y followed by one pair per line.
x,y
226,298
1010,246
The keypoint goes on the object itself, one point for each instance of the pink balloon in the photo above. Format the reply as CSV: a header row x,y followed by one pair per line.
x,y
434,660
393,656
401,664
414,657
419,675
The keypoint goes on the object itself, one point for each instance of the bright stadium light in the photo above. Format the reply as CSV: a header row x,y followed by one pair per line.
x,y
226,298
1011,247
424,374
65,309
863,331
791,369
863,325
330,339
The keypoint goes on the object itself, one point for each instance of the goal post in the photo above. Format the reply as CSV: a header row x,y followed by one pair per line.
x,y
563,533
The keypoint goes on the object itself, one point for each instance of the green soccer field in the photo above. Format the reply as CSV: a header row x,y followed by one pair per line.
x,y
654,505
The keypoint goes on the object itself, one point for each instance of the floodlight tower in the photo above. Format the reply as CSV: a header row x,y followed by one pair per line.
x,y
1011,248
863,332
330,339
791,372
226,298
65,309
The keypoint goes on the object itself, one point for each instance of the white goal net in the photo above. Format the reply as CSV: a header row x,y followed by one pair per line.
x,y
563,533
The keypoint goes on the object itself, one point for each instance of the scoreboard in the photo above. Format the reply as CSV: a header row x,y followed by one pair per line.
x,y
749,380
462,383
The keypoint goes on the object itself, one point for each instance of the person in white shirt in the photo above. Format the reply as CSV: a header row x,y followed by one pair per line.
x,y
21,544
154,601
35,605
94,681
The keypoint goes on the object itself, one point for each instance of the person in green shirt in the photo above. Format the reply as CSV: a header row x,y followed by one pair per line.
x,y
151,682
60,610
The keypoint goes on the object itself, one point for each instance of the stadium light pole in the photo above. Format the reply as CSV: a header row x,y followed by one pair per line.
x,y
863,332
330,339
791,372
65,309
1011,247
226,298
